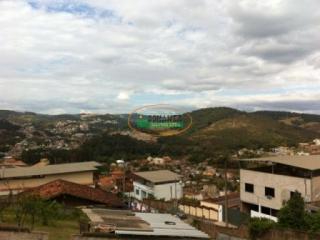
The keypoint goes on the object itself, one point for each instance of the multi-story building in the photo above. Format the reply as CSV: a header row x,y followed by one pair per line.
x,y
267,183
161,184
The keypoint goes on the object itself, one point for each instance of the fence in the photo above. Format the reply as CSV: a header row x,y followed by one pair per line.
x,y
202,212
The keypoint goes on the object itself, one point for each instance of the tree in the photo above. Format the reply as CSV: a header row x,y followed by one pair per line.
x,y
48,211
5,202
293,214
34,208
25,206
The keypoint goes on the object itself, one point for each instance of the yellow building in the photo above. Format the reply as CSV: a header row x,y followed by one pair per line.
x,y
20,178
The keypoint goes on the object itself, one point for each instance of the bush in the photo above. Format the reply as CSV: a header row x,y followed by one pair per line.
x,y
293,214
259,226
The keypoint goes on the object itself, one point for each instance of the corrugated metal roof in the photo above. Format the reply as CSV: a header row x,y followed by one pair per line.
x,y
160,228
144,224
48,170
159,176
311,162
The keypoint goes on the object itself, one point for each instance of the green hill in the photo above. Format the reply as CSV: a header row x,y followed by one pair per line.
x,y
252,130
214,130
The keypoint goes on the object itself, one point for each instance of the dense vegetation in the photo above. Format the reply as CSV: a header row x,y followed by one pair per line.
x,y
292,215
9,135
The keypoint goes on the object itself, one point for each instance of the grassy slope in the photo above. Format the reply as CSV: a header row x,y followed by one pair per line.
x,y
237,129
60,230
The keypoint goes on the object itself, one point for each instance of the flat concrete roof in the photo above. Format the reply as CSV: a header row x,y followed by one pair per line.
x,y
144,224
20,172
311,162
159,176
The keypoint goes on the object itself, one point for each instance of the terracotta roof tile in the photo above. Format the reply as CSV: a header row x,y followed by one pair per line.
x,y
62,187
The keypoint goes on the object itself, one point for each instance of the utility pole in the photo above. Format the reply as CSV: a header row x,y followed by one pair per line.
x,y
226,191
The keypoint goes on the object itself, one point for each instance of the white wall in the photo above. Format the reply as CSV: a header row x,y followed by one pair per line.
x,y
262,215
141,187
167,191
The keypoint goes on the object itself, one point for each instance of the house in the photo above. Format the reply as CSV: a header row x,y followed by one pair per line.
x,y
124,224
161,184
20,178
233,200
74,194
279,151
267,183
117,181
209,172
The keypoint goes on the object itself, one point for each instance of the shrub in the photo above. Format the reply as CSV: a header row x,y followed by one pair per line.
x,y
259,226
293,214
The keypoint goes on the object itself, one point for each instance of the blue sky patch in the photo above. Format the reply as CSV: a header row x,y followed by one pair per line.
x,y
75,8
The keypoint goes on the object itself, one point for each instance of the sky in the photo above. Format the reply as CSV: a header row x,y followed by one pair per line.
x,y
111,56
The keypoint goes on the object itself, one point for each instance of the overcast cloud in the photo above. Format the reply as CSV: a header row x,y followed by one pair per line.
x,y
71,56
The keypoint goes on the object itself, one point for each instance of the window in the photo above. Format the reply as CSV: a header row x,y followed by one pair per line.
x,y
266,210
137,192
269,192
249,187
143,194
292,193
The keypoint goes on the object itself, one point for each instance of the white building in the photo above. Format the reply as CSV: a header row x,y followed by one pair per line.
x,y
162,184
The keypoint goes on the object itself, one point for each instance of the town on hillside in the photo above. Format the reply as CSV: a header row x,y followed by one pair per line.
x,y
161,197
159,119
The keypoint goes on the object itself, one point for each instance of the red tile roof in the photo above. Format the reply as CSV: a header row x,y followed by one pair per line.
x,y
116,180
61,187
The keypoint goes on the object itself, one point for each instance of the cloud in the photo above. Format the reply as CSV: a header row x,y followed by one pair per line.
x,y
113,56
124,96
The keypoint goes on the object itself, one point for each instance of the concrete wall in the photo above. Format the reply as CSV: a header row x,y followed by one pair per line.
x,y
210,205
315,183
242,232
85,178
282,185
